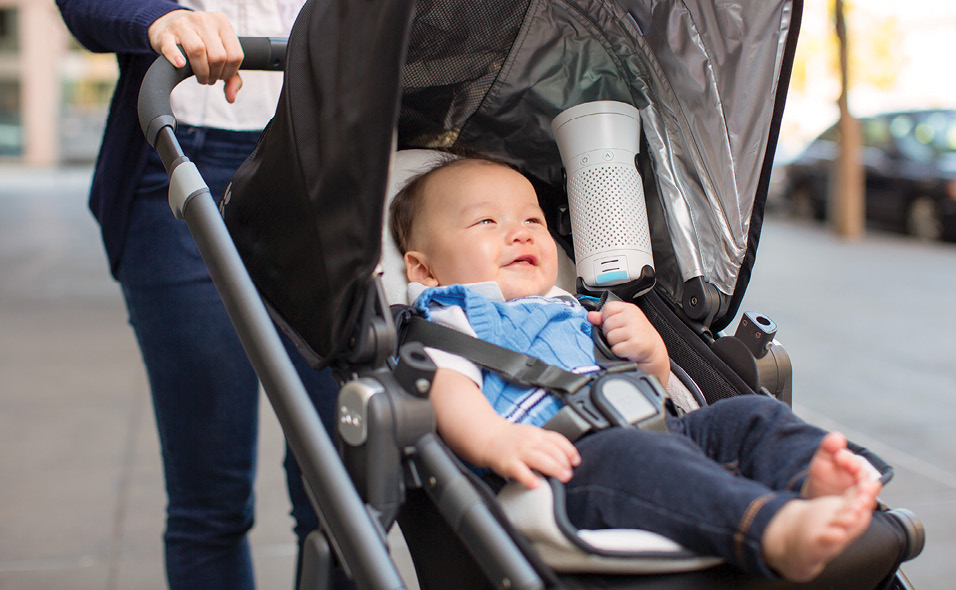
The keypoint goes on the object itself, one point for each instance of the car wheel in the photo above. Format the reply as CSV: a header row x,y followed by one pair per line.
x,y
802,205
923,220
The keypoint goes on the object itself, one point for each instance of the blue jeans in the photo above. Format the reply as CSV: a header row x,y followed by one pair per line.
x,y
204,391
712,484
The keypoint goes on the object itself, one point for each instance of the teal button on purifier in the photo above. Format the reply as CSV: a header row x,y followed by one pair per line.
x,y
607,277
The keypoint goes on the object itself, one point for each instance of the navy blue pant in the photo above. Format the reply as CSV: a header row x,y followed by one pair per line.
x,y
712,483
204,391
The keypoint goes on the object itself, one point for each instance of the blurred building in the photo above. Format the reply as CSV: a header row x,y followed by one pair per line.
x,y
54,95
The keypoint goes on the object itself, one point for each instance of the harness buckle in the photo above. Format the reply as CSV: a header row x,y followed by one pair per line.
x,y
621,395
630,399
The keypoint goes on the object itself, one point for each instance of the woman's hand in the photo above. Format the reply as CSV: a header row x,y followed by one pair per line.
x,y
210,44
631,336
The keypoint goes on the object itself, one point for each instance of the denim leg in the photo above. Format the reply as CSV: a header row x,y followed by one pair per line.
x,y
666,483
205,401
323,391
757,437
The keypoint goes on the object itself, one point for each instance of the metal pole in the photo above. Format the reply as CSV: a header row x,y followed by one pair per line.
x,y
359,541
354,533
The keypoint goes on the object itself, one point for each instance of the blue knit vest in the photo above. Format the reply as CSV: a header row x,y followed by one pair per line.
x,y
553,330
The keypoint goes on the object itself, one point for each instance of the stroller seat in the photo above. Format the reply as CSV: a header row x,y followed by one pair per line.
x,y
305,212
539,514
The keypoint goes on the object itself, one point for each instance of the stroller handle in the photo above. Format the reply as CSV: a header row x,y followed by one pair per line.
x,y
260,53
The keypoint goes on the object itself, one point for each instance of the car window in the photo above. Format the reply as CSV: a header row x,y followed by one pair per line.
x,y
925,136
901,126
938,130
832,134
876,134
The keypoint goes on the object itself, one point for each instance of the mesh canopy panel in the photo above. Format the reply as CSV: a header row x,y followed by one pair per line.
x,y
456,49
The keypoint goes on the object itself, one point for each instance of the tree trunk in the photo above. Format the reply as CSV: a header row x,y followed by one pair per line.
x,y
847,193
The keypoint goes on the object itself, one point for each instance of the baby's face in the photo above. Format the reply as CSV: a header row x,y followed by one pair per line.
x,y
482,223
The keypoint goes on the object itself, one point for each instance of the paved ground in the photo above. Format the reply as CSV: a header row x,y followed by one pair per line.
x,y
871,329
869,326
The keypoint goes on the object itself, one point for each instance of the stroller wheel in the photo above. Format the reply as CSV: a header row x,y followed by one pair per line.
x,y
915,533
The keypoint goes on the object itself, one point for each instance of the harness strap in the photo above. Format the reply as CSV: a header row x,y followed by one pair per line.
x,y
569,423
512,365
618,395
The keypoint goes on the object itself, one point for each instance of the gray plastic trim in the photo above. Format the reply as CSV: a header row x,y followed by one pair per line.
x,y
353,409
185,182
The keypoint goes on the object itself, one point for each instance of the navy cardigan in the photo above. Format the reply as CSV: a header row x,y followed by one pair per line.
x,y
118,26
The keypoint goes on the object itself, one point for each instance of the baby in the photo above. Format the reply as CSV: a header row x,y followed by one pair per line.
x,y
744,479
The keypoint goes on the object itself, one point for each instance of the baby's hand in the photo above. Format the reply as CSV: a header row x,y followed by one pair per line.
x,y
517,449
631,336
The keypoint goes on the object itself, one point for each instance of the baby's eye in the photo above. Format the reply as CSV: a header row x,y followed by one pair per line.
x,y
485,221
535,220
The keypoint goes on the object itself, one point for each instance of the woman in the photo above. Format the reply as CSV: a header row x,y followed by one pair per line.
x,y
205,393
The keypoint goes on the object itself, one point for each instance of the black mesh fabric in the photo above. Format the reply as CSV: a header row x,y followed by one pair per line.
x,y
456,48
716,380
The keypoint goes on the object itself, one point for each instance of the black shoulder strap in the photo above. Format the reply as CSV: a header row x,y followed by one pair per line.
x,y
512,365
580,413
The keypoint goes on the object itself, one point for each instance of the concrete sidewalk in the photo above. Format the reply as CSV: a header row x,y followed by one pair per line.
x,y
869,326
81,488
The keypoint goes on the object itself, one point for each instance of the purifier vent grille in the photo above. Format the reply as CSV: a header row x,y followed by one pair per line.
x,y
607,209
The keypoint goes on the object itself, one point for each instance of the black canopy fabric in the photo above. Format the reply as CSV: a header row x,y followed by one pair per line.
x,y
306,209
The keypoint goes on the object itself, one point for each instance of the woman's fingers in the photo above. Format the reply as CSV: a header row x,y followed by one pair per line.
x,y
232,87
207,39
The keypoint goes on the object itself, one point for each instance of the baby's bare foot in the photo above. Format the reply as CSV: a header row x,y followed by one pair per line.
x,y
834,469
807,534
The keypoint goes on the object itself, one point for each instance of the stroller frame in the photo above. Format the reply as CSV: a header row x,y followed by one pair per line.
x,y
400,464
349,527
340,507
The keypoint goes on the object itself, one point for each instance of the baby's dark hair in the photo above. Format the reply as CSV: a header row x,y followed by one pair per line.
x,y
407,204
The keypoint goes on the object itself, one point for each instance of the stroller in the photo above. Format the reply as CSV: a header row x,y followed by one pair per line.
x,y
303,219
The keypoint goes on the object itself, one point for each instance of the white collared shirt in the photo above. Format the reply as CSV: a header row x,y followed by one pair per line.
x,y
205,106
454,317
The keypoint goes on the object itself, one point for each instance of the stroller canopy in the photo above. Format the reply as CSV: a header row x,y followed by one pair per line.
x,y
710,79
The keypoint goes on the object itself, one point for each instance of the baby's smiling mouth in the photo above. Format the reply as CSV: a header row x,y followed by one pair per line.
x,y
527,260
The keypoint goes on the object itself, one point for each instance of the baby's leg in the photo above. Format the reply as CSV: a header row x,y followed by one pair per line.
x,y
758,437
834,469
805,534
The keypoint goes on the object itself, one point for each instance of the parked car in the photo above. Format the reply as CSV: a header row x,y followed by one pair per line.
x,y
910,167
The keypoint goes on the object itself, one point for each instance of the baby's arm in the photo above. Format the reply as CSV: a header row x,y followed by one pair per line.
x,y
632,336
472,429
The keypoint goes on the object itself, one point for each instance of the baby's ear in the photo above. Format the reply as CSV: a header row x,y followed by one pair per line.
x,y
417,269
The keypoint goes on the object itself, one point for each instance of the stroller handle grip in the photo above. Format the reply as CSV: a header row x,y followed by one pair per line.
x,y
259,53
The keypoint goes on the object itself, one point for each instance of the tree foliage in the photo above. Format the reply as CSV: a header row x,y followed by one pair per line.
x,y
875,50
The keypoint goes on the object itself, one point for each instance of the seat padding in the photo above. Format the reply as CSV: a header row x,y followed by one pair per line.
x,y
626,551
